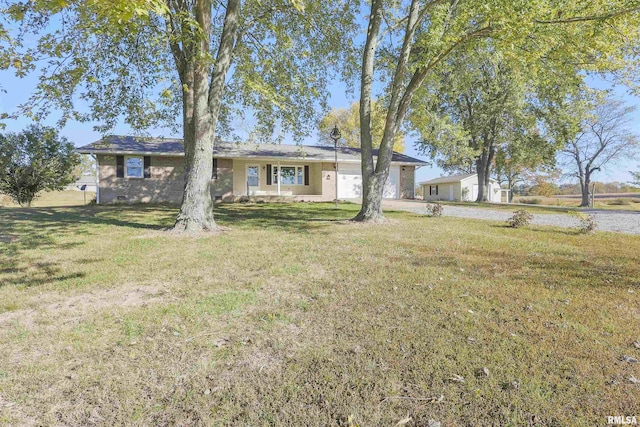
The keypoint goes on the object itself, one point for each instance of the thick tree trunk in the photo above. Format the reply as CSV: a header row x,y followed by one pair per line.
x,y
399,100
483,169
483,179
202,95
371,209
372,189
196,211
585,182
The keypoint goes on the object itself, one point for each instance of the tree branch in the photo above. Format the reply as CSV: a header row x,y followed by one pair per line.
x,y
588,18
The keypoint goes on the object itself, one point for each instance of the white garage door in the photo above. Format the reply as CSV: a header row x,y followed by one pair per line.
x,y
391,186
350,182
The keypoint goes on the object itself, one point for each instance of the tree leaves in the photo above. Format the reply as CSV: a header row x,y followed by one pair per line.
x,y
33,161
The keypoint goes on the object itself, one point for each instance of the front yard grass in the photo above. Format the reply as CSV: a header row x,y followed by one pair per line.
x,y
295,318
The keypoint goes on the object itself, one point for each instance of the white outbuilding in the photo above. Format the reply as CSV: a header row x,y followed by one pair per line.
x,y
458,188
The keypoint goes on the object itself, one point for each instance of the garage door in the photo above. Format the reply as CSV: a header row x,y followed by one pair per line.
x,y
350,182
391,186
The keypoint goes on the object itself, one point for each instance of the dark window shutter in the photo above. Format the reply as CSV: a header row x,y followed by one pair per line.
x,y
436,190
147,167
269,177
306,174
431,190
214,172
120,166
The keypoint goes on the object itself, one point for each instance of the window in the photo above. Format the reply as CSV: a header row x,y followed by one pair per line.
x,y
433,190
289,175
134,167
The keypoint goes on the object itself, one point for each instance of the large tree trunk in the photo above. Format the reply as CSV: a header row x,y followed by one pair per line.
x,y
585,182
196,212
371,209
400,98
202,95
483,168
372,190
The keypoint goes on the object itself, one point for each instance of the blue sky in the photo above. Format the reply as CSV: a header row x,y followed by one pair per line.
x,y
18,90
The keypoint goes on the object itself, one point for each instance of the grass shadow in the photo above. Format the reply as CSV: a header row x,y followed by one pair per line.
x,y
305,218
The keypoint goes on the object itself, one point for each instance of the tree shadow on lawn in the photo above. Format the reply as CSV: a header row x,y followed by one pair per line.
x,y
42,229
557,266
297,217
567,231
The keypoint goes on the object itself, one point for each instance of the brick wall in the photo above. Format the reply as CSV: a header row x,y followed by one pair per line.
x,y
164,186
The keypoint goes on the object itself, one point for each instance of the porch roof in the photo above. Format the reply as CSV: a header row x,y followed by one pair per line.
x,y
174,147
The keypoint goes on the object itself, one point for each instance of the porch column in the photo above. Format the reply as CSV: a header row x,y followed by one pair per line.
x,y
279,178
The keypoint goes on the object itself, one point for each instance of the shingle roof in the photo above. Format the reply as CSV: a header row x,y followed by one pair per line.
x,y
173,147
451,178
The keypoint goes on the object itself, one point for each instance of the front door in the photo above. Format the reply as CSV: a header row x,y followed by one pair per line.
x,y
253,179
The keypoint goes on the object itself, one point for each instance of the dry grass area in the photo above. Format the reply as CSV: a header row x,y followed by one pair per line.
x,y
54,199
292,318
625,202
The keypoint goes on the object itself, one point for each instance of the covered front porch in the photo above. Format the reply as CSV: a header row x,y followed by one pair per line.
x,y
275,180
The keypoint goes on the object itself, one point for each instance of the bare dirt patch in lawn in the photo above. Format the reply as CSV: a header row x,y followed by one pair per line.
x,y
76,307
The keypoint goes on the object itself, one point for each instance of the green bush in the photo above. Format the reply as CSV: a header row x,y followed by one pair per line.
x,y
520,218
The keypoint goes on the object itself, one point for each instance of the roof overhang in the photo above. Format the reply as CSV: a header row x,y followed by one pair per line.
x,y
222,156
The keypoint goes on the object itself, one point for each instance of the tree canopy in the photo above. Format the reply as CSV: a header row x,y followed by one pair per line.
x,y
35,160
348,121
191,64
408,41
603,136
480,109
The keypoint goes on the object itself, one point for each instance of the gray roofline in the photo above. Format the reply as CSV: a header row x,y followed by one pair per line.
x,y
105,147
300,159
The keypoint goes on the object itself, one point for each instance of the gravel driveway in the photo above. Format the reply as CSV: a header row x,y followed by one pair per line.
x,y
618,221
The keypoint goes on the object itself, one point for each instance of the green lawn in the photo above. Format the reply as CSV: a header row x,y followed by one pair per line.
x,y
294,318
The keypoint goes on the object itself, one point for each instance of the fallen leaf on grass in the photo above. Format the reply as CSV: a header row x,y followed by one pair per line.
x,y
403,421
456,378
633,380
629,359
636,344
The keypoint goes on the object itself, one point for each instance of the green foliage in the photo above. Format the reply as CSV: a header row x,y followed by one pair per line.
x,y
520,218
531,36
117,58
33,161
348,121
